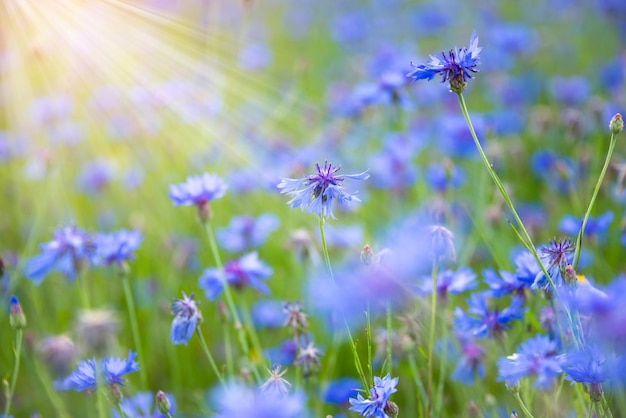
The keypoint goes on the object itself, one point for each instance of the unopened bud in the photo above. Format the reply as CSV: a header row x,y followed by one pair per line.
x,y
617,124
115,394
17,319
391,409
367,255
204,212
458,84
162,403
442,243
570,275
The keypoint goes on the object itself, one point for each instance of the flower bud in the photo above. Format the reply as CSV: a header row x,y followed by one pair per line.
x,y
17,319
617,124
162,403
391,409
367,255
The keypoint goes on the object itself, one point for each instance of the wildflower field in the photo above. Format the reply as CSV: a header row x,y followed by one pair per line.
x,y
312,208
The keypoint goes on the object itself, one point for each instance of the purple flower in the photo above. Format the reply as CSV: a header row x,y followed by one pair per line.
x,y
142,405
470,362
570,225
338,391
555,256
451,282
245,233
379,397
117,247
527,268
504,283
68,252
242,401
590,366
455,67
96,176
316,192
197,190
484,322
245,271
268,313
186,319
112,370
537,356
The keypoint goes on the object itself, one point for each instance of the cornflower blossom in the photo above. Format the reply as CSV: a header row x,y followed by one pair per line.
x,y
245,271
276,384
186,319
504,283
556,256
68,252
455,67
243,401
199,191
245,232
470,362
450,282
590,366
484,322
308,358
143,405
537,356
338,391
315,193
117,247
378,405
112,370
595,226
527,268
267,313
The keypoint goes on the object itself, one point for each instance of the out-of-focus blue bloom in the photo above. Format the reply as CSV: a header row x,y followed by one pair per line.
x,y
316,192
308,357
245,233
484,322
555,256
349,236
242,401
112,370
470,362
450,282
245,271
349,28
510,41
455,67
454,139
559,173
68,252
255,57
392,167
96,176
527,268
537,356
379,394
197,190
504,283
612,74
117,247
592,366
268,313
142,405
572,91
441,177
276,384
285,353
570,225
186,319
339,391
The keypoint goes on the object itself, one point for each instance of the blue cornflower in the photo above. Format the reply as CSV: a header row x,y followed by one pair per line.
x,y
536,356
485,322
559,172
268,314
527,268
338,391
276,384
112,370
198,191
245,232
455,67
470,362
186,318
242,401
68,252
245,271
449,281
504,283
143,405
595,226
316,192
590,366
117,247
441,177
556,256
379,393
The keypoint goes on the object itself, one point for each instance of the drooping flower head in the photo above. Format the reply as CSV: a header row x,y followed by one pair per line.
x,y
117,247
186,318
378,404
456,66
316,192
68,252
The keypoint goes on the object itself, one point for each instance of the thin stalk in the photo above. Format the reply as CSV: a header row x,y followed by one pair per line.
x,y
19,336
431,337
421,392
230,365
209,356
389,339
82,288
581,233
523,405
57,403
370,362
442,365
605,407
119,411
134,325
325,248
100,395
241,331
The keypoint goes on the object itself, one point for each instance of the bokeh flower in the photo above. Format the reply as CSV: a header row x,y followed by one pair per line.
x,y
117,247
186,319
112,370
240,273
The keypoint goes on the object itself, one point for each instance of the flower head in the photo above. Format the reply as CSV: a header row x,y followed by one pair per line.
x,y
537,356
456,66
483,321
117,247
197,190
380,393
186,318
17,318
112,370
275,383
555,256
245,233
245,271
316,192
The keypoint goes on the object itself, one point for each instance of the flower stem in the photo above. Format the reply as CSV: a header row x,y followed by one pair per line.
x,y
389,339
523,405
241,332
132,314
325,248
82,288
442,364
431,337
19,334
581,233
209,356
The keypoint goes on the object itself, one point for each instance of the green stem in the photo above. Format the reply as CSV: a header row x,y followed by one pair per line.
x,y
134,325
325,248
389,339
119,411
523,405
44,378
581,233
421,393
230,365
431,337
82,288
241,331
442,364
19,334
209,356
